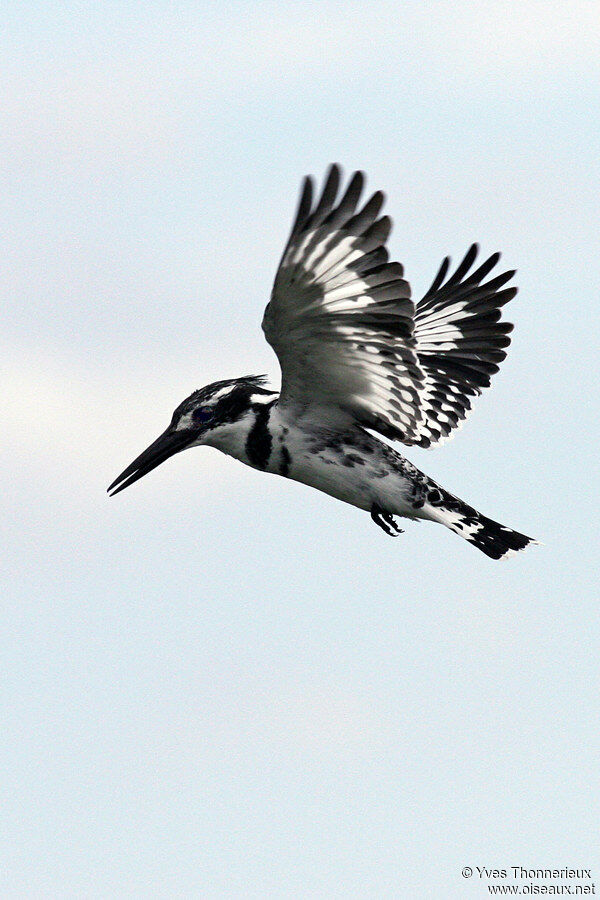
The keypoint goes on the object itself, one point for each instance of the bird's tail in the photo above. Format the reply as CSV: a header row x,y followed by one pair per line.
x,y
493,539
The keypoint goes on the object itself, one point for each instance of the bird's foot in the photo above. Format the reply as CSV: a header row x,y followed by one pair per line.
x,y
385,520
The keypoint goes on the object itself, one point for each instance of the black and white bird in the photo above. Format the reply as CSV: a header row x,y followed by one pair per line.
x,y
358,359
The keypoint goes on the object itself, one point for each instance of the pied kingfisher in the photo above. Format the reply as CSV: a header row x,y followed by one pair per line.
x,y
358,357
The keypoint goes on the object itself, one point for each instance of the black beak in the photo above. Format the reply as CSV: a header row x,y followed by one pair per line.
x,y
169,443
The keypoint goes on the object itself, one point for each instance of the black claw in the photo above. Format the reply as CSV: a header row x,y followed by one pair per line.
x,y
385,520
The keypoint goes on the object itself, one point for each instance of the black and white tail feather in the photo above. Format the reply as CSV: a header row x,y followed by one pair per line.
x,y
495,540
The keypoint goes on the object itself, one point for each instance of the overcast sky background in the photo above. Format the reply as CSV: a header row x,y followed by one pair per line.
x,y
220,683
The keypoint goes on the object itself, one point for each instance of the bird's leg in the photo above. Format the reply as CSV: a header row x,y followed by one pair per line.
x,y
385,520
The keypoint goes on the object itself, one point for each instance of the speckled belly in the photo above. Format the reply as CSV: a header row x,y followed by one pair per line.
x,y
353,467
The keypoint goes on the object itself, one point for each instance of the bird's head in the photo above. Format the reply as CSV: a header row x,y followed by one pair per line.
x,y
210,416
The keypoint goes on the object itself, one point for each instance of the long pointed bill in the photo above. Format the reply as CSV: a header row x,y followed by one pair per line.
x,y
169,443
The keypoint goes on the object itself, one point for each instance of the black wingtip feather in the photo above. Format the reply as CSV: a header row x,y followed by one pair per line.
x,y
464,266
328,195
364,219
376,234
304,204
439,278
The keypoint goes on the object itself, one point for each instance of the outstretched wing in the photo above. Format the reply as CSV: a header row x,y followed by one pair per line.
x,y
340,318
459,341
347,334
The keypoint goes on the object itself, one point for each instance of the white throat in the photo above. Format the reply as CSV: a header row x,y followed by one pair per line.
x,y
232,437
241,437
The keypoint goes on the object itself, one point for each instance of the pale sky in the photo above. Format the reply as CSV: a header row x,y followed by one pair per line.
x,y
220,683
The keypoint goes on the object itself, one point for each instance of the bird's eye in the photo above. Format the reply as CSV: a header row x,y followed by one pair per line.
x,y
200,416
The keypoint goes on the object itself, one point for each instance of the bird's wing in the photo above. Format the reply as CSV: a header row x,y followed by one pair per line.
x,y
340,318
459,342
348,336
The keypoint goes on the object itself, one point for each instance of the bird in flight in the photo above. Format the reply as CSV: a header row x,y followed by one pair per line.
x,y
358,359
